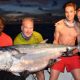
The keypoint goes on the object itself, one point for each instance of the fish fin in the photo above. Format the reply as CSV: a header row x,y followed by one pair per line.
x,y
17,74
18,56
44,41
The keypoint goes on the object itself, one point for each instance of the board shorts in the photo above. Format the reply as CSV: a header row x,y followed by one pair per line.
x,y
70,63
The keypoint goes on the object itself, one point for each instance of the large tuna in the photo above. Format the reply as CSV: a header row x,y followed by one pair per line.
x,y
31,58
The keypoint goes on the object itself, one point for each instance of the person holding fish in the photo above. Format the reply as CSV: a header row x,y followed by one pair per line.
x,y
29,36
78,17
66,33
78,13
5,40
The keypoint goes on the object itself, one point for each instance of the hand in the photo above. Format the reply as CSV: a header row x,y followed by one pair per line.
x,y
75,51
24,74
53,61
69,53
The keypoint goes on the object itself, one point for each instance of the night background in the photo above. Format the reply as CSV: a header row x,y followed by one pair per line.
x,y
44,12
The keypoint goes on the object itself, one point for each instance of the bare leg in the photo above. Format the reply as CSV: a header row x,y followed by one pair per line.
x,y
76,74
40,75
54,74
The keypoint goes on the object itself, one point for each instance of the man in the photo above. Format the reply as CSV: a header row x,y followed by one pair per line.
x,y
29,36
78,16
5,40
66,34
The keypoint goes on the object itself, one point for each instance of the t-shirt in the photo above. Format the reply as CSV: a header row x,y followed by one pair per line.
x,y
5,40
35,39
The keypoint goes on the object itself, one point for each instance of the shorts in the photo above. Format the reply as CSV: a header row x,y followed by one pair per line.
x,y
70,63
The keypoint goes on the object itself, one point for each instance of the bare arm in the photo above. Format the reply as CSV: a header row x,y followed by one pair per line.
x,y
78,37
56,36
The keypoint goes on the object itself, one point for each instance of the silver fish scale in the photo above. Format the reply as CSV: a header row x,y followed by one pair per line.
x,y
5,61
35,66
29,57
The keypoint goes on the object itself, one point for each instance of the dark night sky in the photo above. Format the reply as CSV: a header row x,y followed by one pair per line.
x,y
14,5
